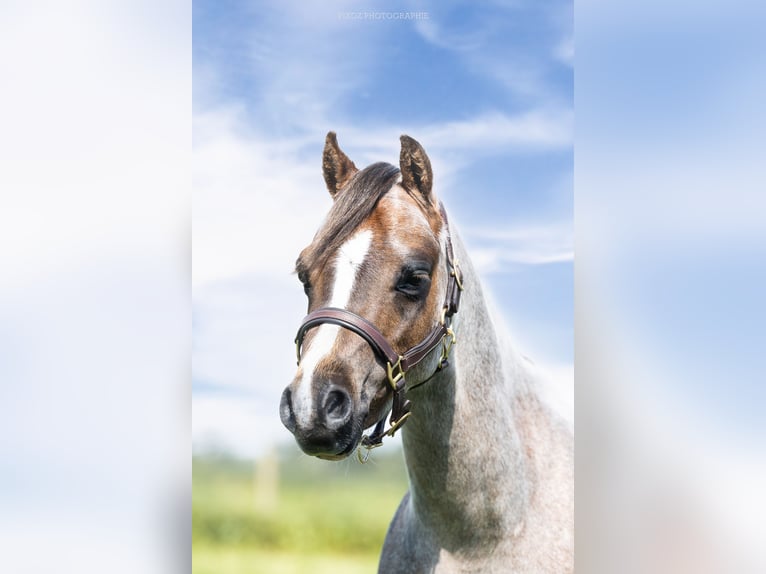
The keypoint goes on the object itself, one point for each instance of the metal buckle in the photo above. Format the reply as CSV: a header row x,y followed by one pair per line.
x,y
396,424
394,379
456,274
447,346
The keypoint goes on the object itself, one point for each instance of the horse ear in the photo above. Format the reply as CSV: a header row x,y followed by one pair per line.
x,y
415,167
338,169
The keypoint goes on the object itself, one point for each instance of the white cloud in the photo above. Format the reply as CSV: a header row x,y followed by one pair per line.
x,y
530,130
243,334
465,40
487,42
494,250
564,51
256,204
301,56
453,145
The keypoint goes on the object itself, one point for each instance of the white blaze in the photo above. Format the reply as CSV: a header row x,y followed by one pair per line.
x,y
350,257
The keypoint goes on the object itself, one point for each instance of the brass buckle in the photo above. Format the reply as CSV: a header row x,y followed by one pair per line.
x,y
396,424
447,346
393,379
456,274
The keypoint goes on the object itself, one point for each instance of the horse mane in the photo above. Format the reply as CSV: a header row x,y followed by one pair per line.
x,y
352,206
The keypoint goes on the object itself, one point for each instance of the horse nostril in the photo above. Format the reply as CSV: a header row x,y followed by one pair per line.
x,y
286,410
336,407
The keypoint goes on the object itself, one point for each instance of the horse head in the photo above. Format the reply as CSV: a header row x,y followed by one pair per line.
x,y
378,256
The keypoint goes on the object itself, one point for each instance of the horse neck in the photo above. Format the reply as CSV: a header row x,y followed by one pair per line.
x,y
468,479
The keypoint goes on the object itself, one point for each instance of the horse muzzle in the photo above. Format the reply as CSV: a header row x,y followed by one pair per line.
x,y
330,430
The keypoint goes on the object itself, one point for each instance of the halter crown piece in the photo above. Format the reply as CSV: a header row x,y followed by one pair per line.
x,y
396,365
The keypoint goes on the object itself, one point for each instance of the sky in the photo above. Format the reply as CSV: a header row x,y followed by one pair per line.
x,y
488,92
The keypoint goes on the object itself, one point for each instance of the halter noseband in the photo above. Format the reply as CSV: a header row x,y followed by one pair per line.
x,y
396,365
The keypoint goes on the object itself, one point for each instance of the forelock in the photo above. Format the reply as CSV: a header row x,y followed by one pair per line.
x,y
351,207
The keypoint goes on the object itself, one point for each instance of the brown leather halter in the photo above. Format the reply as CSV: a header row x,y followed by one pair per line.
x,y
397,365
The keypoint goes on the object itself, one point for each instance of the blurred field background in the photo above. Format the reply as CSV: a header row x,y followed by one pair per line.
x,y
288,513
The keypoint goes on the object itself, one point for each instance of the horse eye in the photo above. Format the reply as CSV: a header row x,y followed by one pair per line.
x,y
304,279
414,283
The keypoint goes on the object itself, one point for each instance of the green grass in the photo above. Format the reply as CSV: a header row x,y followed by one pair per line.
x,y
292,513
217,560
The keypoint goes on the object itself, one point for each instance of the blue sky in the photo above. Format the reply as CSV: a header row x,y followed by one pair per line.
x,y
487,90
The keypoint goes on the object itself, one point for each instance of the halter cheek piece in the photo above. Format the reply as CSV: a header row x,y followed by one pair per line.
x,y
396,365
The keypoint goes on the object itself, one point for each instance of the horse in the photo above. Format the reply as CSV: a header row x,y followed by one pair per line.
x,y
398,323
